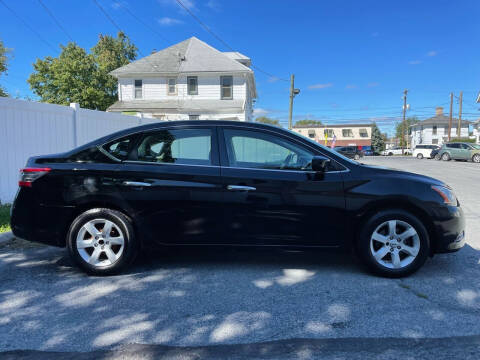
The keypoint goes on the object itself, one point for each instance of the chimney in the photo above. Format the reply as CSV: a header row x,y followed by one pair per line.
x,y
153,51
438,111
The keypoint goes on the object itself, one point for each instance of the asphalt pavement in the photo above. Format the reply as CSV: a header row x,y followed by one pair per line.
x,y
240,303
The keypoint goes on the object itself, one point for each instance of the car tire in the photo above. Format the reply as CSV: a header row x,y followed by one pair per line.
x,y
446,157
420,156
402,258
437,157
102,241
476,158
356,157
390,154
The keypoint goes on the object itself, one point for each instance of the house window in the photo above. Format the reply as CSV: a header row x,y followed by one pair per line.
x,y
193,117
328,132
434,130
226,87
434,141
363,133
172,86
347,133
311,134
138,89
192,84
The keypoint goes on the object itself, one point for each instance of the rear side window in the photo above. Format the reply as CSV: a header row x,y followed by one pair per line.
x,y
185,146
120,148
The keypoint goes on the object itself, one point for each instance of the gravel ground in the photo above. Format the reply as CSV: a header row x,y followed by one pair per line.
x,y
200,300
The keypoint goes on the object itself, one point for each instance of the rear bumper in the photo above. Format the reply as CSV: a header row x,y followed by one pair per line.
x,y
35,222
450,229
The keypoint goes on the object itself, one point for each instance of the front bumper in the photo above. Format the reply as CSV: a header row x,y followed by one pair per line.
x,y
450,229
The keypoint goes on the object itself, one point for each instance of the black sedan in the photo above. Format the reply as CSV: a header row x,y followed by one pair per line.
x,y
352,152
229,183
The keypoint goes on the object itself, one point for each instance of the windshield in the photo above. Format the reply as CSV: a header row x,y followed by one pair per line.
x,y
476,146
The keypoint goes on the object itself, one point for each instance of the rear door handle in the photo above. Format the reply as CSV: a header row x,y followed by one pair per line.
x,y
136,183
240,188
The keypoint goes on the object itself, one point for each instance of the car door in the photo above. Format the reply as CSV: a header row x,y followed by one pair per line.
x,y
271,196
172,182
465,151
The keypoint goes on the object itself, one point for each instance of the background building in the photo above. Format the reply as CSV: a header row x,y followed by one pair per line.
x,y
346,135
435,129
189,80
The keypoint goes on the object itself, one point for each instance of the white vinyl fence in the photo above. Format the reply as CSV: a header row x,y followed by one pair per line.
x,y
30,128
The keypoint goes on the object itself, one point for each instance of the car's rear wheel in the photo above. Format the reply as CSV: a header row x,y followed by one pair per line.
x,y
420,156
476,158
446,157
393,243
356,157
102,241
437,157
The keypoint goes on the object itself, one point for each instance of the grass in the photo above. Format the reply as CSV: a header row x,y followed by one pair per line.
x,y
5,218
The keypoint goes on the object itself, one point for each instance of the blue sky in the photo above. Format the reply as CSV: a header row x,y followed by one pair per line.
x,y
351,59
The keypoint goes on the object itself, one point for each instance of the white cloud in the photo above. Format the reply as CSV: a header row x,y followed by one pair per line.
x,y
373,84
260,112
320,86
214,5
351,86
167,21
432,53
415,62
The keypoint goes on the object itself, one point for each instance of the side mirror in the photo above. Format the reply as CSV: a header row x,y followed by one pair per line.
x,y
320,163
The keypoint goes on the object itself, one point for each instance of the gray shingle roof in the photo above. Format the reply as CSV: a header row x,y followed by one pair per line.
x,y
440,120
181,105
191,55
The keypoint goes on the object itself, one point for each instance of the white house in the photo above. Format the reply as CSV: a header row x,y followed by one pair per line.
x,y
189,80
435,129
476,131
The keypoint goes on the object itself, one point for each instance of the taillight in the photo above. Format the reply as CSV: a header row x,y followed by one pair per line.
x,y
29,175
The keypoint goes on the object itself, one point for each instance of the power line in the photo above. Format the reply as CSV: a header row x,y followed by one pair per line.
x,y
28,26
107,16
55,20
145,24
207,28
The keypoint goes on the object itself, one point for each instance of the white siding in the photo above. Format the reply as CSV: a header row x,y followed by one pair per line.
x,y
29,128
423,134
126,89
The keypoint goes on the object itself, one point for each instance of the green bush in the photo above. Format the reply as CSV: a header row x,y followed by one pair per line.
x,y
4,218
465,140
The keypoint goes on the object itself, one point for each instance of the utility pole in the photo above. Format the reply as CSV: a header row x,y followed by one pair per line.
x,y
405,134
293,93
450,119
459,128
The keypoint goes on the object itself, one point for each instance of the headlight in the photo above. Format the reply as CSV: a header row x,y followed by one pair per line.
x,y
447,194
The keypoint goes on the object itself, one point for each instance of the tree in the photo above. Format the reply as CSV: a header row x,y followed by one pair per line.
x,y
400,129
308,122
77,76
267,120
378,141
4,54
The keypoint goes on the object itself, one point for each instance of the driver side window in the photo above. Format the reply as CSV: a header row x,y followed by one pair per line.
x,y
257,150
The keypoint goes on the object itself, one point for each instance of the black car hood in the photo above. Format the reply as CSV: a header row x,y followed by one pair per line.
x,y
404,174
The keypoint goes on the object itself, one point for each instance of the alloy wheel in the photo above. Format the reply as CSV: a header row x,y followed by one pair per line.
x,y
476,158
419,156
394,244
100,242
445,157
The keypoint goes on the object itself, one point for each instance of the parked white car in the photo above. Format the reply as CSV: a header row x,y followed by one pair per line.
x,y
396,151
423,150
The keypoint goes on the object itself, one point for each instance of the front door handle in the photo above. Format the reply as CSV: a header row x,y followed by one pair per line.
x,y
240,188
136,183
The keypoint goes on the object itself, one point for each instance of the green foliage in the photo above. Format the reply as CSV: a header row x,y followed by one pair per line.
x,y
4,55
4,218
400,129
308,122
77,76
378,139
462,139
267,120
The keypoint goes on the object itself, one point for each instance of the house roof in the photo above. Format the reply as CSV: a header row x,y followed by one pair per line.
x,y
180,105
188,56
325,126
440,119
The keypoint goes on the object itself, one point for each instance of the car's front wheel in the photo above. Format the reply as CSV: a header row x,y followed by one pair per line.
x,y
476,158
393,243
102,241
356,157
446,157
